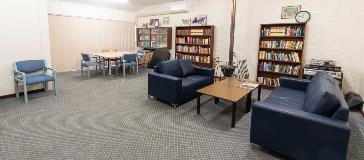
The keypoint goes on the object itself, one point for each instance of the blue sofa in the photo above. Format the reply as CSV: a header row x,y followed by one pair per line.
x,y
304,120
176,81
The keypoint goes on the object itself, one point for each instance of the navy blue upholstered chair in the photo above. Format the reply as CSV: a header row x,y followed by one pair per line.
x,y
28,73
87,63
129,60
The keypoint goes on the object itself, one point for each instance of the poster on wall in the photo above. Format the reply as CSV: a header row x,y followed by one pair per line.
x,y
200,20
289,12
154,22
186,22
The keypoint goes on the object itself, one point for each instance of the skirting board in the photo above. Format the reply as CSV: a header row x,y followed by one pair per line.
x,y
21,93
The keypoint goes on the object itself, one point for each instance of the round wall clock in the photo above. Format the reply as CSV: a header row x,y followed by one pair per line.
x,y
303,16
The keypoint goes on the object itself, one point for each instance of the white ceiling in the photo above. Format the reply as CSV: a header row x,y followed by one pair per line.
x,y
130,5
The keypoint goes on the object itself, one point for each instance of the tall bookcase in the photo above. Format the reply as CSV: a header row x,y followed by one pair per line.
x,y
195,43
280,52
154,38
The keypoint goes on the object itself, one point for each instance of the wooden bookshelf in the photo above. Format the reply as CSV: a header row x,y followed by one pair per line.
x,y
195,43
154,38
280,52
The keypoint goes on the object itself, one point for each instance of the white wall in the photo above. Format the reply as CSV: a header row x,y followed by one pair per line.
x,y
333,32
88,11
24,35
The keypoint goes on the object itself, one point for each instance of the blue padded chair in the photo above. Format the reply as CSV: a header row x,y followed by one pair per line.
x,y
87,62
129,60
27,73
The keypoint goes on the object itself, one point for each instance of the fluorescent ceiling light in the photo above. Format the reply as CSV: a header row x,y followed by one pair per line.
x,y
119,1
179,7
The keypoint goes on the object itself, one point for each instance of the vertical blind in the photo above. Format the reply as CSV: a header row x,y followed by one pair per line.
x,y
70,36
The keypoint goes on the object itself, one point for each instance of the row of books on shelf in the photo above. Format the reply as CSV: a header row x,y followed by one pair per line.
x,y
294,31
144,44
144,31
193,40
144,37
158,44
159,31
279,56
279,68
200,59
159,38
194,32
273,82
193,49
282,44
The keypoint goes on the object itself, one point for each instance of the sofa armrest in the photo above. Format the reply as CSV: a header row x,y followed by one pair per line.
x,y
294,83
164,86
298,134
208,72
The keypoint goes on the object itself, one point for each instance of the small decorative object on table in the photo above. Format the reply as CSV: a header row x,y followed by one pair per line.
x,y
228,70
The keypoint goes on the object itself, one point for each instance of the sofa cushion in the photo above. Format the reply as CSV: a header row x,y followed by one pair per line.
x,y
171,68
189,85
287,97
320,96
187,67
201,80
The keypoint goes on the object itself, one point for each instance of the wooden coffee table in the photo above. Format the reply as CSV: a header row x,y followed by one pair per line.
x,y
230,90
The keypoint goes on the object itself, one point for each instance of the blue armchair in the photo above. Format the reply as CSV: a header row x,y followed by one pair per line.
x,y
87,62
177,81
303,119
127,61
25,72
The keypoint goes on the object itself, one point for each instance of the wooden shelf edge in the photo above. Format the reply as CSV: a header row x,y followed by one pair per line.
x,y
189,44
281,49
286,74
282,36
278,61
194,54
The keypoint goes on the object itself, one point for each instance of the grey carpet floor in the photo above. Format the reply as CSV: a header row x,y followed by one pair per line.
x,y
112,118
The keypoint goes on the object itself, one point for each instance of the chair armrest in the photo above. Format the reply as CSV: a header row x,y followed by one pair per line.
x,y
16,75
208,72
294,83
51,69
287,130
164,86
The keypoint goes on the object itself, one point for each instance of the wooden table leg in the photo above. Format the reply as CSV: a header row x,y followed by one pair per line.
x,y
198,103
259,92
217,100
233,115
248,102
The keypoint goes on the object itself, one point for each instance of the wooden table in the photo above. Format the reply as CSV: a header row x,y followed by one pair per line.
x,y
110,56
230,90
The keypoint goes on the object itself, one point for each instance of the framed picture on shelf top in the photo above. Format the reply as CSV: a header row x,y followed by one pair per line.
x,y
165,20
186,22
290,12
200,20
154,22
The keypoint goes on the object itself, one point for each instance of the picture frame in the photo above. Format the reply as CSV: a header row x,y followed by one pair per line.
x,y
289,12
165,20
186,22
199,20
154,22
